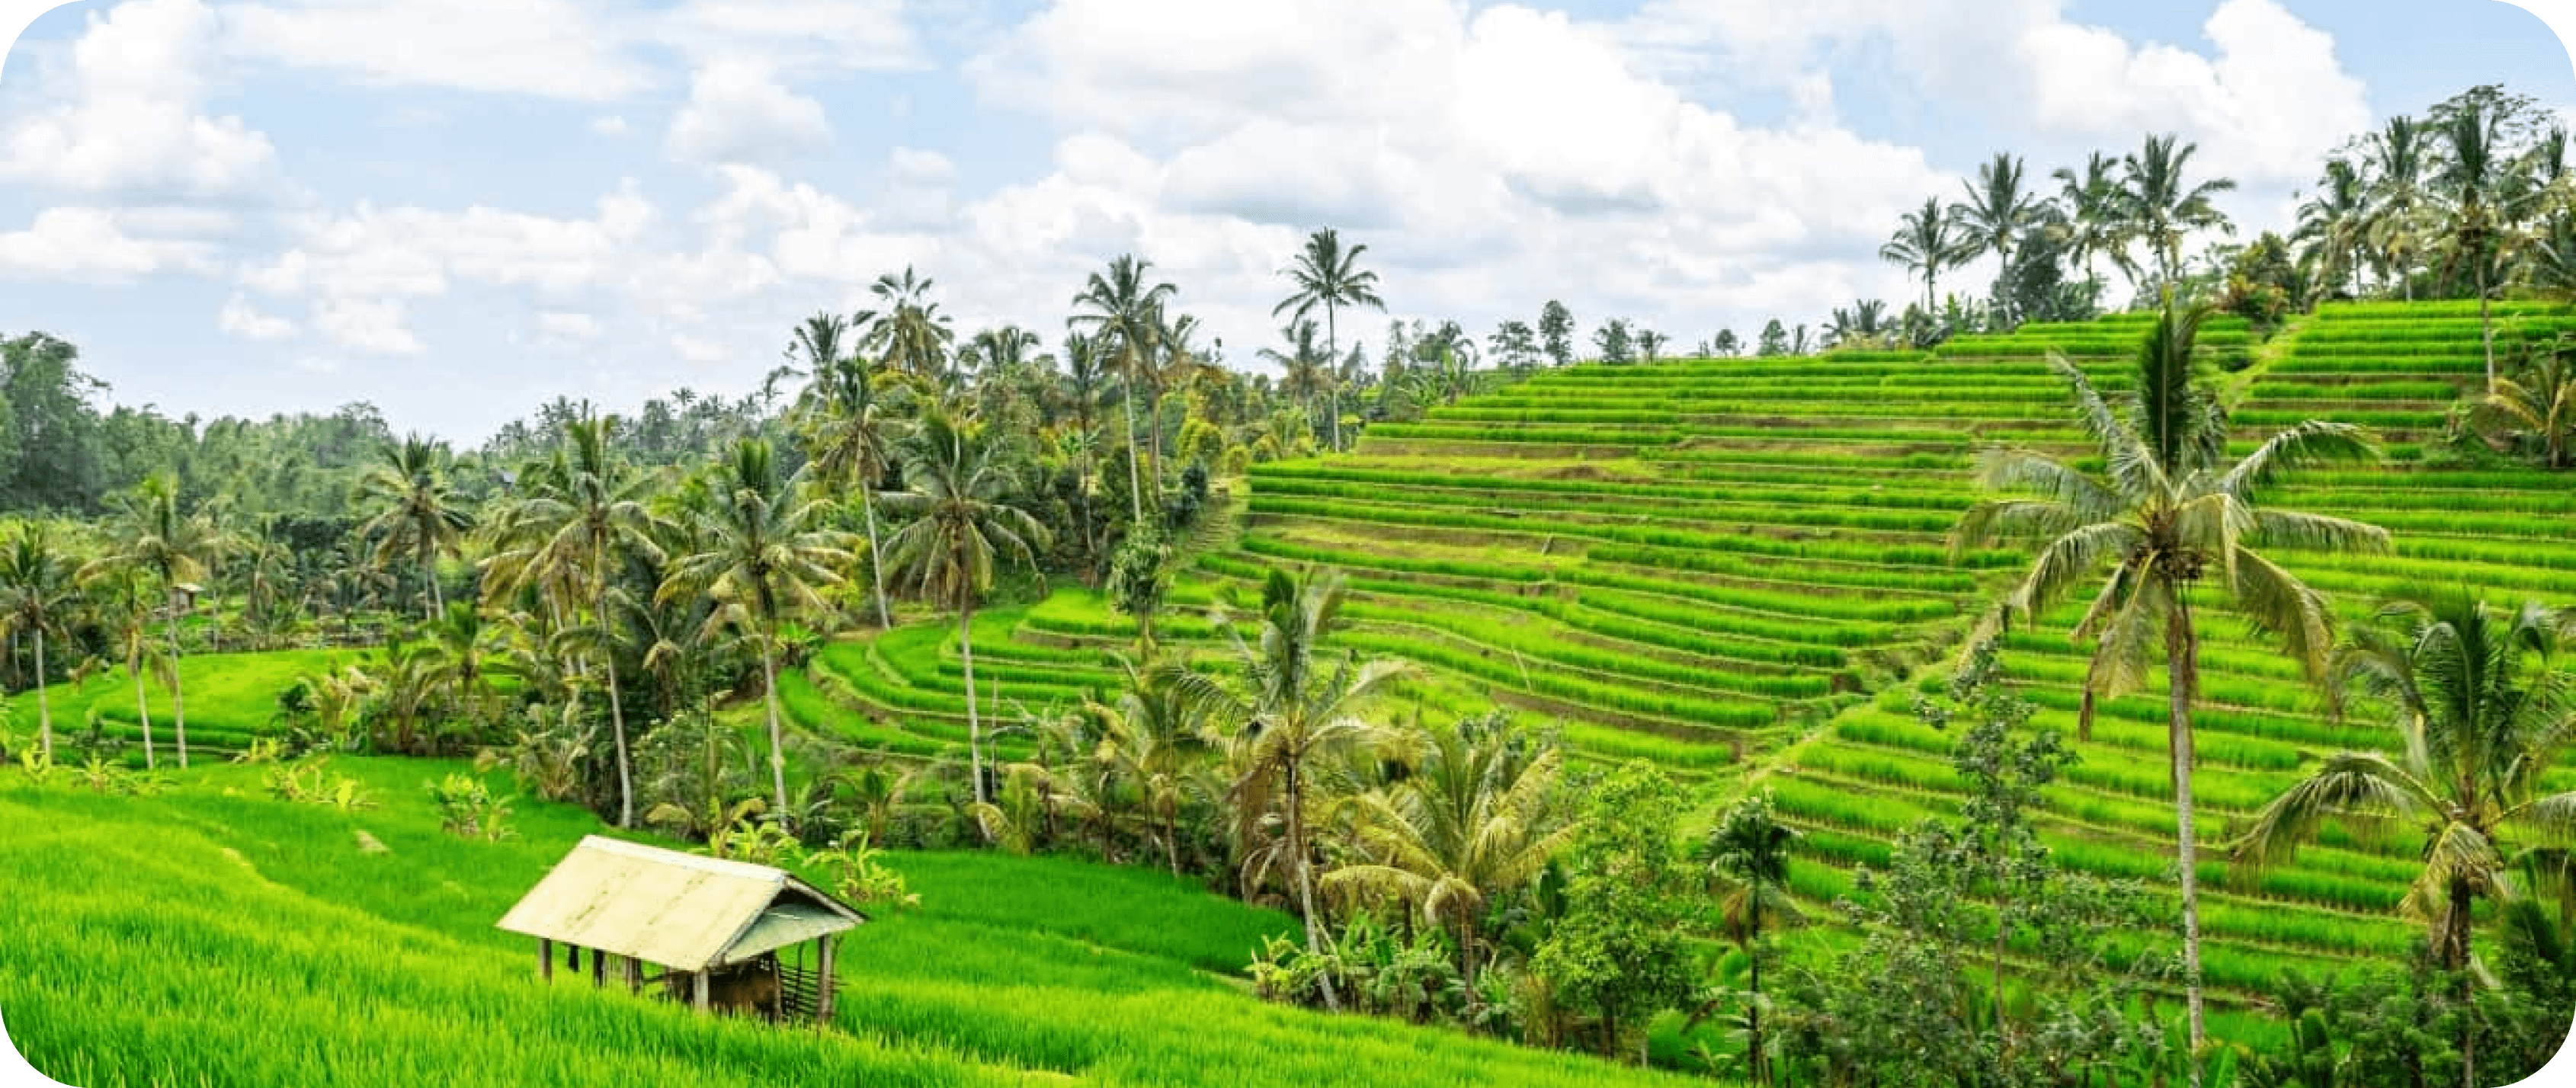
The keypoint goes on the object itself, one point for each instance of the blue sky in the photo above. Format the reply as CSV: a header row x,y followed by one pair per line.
x,y
457,210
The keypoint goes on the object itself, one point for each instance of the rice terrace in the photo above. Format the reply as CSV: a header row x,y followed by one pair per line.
x,y
2140,649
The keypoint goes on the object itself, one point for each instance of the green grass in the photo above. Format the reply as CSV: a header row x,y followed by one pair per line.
x,y
213,935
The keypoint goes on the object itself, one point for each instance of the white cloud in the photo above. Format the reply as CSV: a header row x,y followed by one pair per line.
x,y
739,113
611,125
1489,159
238,318
551,48
359,269
566,49
374,325
128,122
797,35
93,246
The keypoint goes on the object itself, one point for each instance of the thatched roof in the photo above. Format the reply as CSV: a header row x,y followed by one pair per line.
x,y
685,912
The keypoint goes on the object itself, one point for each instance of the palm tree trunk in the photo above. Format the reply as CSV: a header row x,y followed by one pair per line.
x,y
2486,326
2182,666
1333,351
178,696
1305,877
769,693
876,556
142,708
616,711
1172,836
429,575
974,725
44,704
1135,477
2456,951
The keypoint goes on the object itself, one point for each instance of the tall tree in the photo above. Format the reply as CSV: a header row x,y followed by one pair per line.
x,y
1477,819
1329,276
1748,853
1125,315
1927,241
2166,516
2092,225
2162,206
962,531
1556,332
2332,224
2473,191
1305,372
2480,717
2398,158
907,331
761,555
36,598
417,511
1297,708
151,534
1998,210
845,415
578,532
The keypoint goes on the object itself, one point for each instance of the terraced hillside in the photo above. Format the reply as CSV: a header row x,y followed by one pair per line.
x,y
1739,568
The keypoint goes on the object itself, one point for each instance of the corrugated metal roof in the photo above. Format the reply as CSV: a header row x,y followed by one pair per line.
x,y
682,911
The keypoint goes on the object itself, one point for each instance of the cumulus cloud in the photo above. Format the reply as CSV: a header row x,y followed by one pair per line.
x,y
93,246
359,269
738,112
239,318
552,48
128,121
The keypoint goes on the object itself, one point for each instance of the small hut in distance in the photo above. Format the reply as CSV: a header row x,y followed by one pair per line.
x,y
717,934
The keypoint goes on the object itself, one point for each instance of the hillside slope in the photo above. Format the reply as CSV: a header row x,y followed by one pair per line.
x,y
1739,568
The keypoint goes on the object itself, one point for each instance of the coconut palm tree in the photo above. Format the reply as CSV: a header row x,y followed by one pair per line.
x,y
416,511
2398,157
2540,403
2167,516
1125,315
1998,210
961,532
121,602
907,332
761,557
36,599
2092,225
151,535
1927,241
1748,853
2333,224
578,532
1328,276
1478,818
1297,707
2475,200
1156,739
1304,372
2162,207
846,416
2480,716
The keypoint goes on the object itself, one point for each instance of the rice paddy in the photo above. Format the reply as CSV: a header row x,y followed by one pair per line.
x,y
1739,568
214,935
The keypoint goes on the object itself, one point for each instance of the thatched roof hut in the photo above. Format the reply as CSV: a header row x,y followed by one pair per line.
x,y
718,930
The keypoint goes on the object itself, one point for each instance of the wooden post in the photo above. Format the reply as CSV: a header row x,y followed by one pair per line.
x,y
700,981
546,959
598,968
823,982
572,958
634,975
